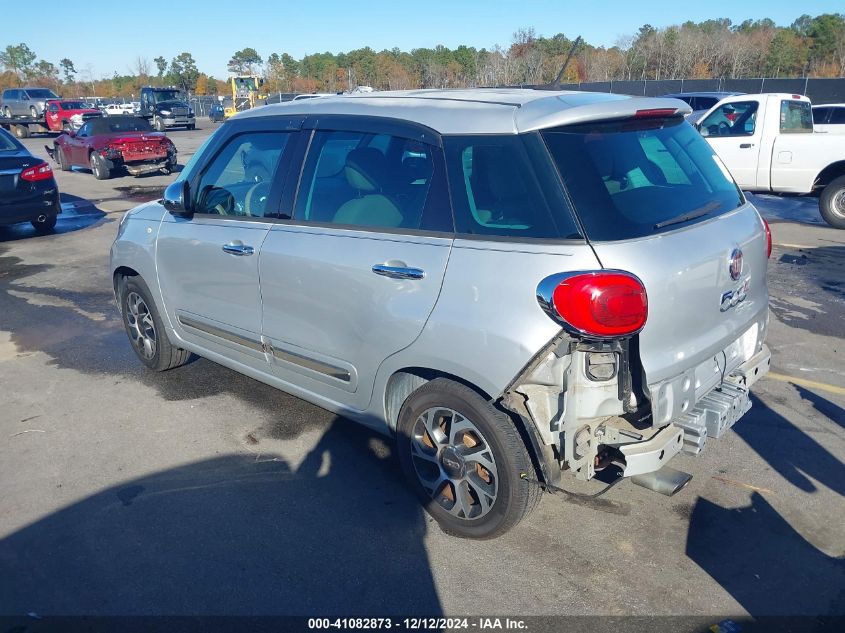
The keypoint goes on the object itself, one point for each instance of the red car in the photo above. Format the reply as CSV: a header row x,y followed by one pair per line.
x,y
68,114
107,144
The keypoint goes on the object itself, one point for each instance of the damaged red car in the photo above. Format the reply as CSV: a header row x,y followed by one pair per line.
x,y
112,144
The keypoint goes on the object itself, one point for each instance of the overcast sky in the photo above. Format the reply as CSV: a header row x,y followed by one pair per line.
x,y
113,34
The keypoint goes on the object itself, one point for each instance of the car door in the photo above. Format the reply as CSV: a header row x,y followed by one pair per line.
x,y
353,277
208,262
76,147
733,130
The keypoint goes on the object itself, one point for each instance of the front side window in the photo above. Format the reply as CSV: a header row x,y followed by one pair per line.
x,y
796,117
630,179
374,181
505,186
731,119
237,181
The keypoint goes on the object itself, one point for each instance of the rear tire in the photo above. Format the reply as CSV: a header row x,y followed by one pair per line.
x,y
145,328
46,226
99,168
464,459
832,203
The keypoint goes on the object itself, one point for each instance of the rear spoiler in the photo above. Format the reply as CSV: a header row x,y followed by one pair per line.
x,y
553,111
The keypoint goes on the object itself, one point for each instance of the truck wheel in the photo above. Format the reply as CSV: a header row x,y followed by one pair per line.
x,y
159,125
61,159
21,131
464,459
98,166
832,203
145,328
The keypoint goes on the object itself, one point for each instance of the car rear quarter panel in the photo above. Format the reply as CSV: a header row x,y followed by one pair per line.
x,y
487,324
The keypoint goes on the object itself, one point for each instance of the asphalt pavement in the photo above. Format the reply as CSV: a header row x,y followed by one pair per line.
x,y
201,491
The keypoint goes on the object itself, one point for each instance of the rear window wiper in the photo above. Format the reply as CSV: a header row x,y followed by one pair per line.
x,y
689,215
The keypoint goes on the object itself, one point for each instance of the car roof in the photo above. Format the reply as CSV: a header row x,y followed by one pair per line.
x,y
476,110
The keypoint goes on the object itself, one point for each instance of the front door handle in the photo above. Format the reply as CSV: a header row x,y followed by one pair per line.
x,y
237,248
398,272
746,145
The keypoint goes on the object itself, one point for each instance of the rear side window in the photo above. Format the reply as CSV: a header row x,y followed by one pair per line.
x,y
820,114
373,181
837,115
505,186
738,118
796,117
638,178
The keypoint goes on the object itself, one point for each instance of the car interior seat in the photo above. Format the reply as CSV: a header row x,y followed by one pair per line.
x,y
367,172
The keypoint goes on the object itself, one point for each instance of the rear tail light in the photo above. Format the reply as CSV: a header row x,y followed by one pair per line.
x,y
36,173
601,304
768,237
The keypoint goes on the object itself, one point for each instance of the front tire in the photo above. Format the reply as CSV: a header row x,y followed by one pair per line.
x,y
99,168
33,112
832,203
464,459
145,328
159,125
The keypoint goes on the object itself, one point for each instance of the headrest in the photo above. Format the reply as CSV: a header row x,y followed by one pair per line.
x,y
366,169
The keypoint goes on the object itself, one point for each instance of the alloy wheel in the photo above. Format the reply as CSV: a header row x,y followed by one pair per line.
x,y
837,205
454,463
141,329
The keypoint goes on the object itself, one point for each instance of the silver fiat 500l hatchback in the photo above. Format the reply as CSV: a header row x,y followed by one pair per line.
x,y
512,283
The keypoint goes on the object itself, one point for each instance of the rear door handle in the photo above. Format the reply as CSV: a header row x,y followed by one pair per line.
x,y
236,248
398,272
746,145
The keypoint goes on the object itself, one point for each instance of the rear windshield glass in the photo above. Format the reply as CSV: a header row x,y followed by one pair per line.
x,y
636,178
796,117
113,125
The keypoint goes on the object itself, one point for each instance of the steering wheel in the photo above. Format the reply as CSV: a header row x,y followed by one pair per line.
x,y
256,195
724,128
217,200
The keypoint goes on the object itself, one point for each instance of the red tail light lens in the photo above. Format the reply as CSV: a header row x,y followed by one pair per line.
x,y
601,304
768,237
39,172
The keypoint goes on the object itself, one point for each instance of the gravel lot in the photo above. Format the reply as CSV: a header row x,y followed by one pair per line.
x,y
200,491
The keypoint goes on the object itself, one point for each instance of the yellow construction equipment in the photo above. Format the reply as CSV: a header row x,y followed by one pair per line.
x,y
246,94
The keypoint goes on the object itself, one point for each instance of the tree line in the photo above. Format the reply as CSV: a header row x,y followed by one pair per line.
x,y
809,47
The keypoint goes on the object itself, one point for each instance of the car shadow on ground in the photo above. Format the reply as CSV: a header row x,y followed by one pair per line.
x,y
752,552
768,567
77,214
236,536
798,458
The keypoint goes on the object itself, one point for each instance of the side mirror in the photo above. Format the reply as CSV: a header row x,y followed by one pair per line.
x,y
177,198
71,133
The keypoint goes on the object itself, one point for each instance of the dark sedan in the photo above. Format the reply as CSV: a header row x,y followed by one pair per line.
x,y
28,190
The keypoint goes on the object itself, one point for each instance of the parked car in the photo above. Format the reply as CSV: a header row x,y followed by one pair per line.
x,y
829,118
216,113
767,143
109,144
118,109
68,114
585,290
28,190
28,102
700,102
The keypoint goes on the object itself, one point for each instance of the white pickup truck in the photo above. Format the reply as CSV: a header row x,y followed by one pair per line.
x,y
767,143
